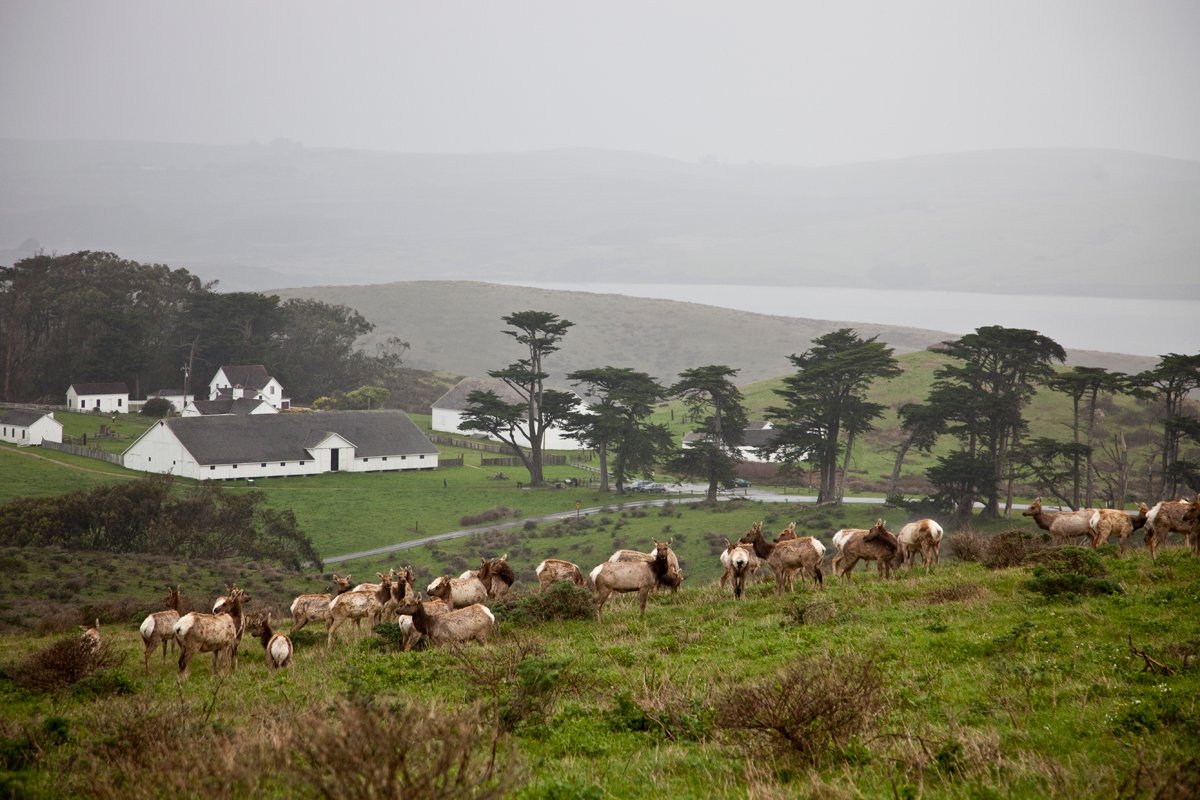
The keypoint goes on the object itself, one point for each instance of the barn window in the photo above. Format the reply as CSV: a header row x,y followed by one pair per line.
x,y
263,464
235,466
283,463
211,468
385,458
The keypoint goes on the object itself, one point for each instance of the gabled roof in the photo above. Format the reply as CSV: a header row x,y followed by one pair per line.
x,y
227,405
456,398
167,393
249,376
111,387
231,439
756,434
21,418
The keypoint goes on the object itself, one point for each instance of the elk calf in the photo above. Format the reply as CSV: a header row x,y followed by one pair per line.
x,y
160,627
553,570
276,646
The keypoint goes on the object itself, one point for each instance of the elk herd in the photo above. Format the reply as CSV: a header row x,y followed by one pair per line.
x,y
454,610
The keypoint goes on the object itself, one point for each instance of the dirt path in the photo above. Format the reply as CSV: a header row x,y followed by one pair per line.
x,y
24,452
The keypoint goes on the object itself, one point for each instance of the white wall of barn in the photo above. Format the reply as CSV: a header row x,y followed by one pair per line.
x,y
449,421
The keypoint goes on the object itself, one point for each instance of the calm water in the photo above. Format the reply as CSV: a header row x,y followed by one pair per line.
x,y
1115,325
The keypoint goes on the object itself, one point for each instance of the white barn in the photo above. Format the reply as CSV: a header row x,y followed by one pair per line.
x,y
23,427
240,406
757,434
448,411
248,380
176,397
107,398
276,445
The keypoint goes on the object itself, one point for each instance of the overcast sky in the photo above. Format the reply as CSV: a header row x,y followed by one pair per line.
x,y
788,82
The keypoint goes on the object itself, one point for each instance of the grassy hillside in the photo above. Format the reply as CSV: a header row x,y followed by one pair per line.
x,y
966,683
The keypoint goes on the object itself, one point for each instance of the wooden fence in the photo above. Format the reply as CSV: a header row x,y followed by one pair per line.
x,y
470,444
86,452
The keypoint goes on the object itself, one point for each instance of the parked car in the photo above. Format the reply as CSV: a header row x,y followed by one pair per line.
x,y
654,488
638,486
738,483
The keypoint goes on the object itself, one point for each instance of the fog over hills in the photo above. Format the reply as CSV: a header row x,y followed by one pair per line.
x,y
456,327
258,216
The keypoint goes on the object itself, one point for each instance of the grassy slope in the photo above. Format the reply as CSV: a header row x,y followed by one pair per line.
x,y
998,693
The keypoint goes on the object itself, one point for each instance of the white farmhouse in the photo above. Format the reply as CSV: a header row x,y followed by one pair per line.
x,y
176,397
29,427
448,411
275,445
248,380
757,434
106,398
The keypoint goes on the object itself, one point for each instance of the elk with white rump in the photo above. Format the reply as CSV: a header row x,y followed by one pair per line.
x,y
635,576
219,634
160,627
276,646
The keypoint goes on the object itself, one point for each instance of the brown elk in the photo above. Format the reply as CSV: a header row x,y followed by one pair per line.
x,y
308,608
502,576
276,646
737,559
450,626
802,554
637,555
90,635
357,606
219,634
553,570
1168,516
159,627
463,592
877,544
923,536
1107,522
638,575
1064,526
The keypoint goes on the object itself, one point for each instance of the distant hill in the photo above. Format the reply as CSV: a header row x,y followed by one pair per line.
x,y
254,216
456,327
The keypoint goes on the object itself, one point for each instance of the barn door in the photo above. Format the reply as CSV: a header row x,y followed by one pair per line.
x,y
333,459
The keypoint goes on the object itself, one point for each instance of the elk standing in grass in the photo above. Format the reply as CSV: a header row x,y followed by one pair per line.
x,y
877,544
638,575
502,576
160,627
357,606
1064,526
315,607
219,634
449,626
553,570
802,554
1106,522
90,636
923,536
736,559
672,564
276,646
463,592
1168,517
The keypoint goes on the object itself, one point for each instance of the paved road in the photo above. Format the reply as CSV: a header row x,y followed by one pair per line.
x,y
688,493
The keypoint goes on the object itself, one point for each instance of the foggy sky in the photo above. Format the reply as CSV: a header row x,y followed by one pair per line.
x,y
789,82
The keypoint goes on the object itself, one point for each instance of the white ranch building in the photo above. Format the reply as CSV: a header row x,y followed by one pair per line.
x,y
241,406
248,380
448,411
757,434
176,397
23,427
106,398
277,445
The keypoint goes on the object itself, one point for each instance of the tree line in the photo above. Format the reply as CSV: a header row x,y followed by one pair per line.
x,y
147,516
93,316
979,398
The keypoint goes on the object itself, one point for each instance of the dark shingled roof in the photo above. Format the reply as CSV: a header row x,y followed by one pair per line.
x,y
20,417
755,435
249,376
227,405
283,437
456,398
111,387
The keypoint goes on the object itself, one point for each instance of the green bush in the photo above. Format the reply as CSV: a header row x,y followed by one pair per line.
x,y
1071,571
561,601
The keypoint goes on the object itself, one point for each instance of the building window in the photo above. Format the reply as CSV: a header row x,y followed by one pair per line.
x,y
235,466
119,401
422,458
283,463
385,458
263,464
210,469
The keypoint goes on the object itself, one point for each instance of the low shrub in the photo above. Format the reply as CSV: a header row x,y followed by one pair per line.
x,y
63,664
493,514
969,547
1068,571
561,601
1011,549
810,710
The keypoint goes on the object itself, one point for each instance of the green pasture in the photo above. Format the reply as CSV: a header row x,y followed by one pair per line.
x,y
987,690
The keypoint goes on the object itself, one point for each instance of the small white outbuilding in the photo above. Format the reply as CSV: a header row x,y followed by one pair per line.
x,y
105,397
23,427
